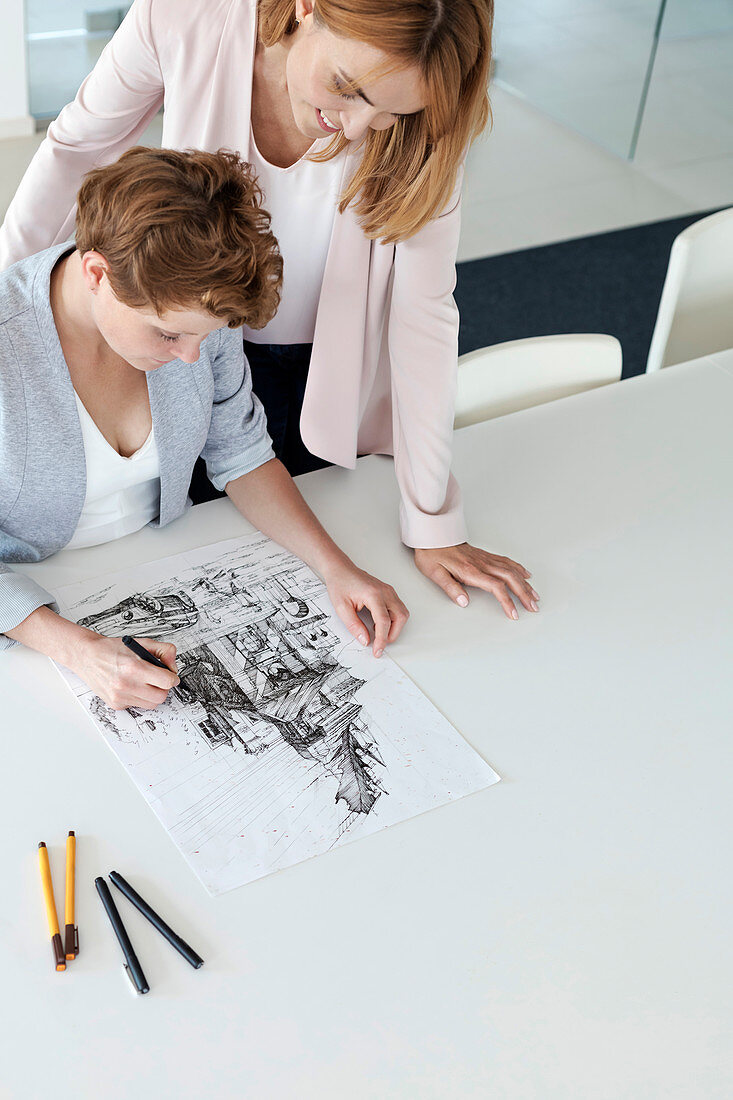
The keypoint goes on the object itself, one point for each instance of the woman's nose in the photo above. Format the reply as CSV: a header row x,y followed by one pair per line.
x,y
189,352
355,120
359,120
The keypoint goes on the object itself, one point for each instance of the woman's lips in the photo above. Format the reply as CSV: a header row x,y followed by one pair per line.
x,y
326,125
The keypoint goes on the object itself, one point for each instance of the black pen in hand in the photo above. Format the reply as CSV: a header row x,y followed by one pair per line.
x,y
145,655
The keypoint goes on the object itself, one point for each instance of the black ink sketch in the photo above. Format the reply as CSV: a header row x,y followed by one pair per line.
x,y
157,616
271,677
284,738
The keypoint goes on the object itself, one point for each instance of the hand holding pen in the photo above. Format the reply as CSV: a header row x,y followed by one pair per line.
x,y
109,668
122,678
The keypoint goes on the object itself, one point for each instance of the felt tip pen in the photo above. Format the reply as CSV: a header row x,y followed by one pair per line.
x,y
165,930
53,920
145,655
132,965
71,932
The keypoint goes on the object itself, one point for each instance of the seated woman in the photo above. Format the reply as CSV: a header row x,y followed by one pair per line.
x,y
120,362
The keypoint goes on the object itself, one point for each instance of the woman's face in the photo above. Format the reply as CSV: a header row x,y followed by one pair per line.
x,y
143,338
330,89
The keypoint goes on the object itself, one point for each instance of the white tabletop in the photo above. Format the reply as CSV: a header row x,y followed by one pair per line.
x,y
722,359
563,934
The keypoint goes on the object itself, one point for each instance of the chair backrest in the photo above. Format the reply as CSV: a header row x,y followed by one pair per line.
x,y
695,314
505,378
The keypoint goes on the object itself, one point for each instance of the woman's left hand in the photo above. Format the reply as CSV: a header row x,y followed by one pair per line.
x,y
452,567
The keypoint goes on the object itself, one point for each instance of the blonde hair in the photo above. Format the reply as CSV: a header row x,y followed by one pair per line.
x,y
408,172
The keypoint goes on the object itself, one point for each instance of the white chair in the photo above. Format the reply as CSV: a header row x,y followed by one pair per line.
x,y
508,377
696,309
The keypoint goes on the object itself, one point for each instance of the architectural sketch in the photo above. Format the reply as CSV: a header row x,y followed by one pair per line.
x,y
284,737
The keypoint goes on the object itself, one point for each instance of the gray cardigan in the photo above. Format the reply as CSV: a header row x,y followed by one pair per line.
x,y
203,408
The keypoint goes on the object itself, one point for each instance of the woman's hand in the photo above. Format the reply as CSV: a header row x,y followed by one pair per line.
x,y
270,500
452,567
107,666
120,678
351,589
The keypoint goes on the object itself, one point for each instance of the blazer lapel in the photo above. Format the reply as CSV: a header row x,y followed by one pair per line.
x,y
345,348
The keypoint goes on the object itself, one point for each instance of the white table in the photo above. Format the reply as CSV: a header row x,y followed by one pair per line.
x,y
565,934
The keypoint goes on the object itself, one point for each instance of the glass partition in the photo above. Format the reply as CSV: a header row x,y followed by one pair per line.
x,y
585,62
65,38
688,114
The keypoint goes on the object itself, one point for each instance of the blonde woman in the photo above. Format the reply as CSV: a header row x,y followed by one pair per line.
x,y
356,115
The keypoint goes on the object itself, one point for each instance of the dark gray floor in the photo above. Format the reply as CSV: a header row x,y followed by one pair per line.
x,y
609,283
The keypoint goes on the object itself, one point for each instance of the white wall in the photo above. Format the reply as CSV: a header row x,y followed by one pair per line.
x,y
15,121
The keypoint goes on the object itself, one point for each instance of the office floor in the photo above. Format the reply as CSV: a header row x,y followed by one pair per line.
x,y
531,181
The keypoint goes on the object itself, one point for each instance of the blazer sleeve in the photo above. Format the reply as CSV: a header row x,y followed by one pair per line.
x,y
237,442
19,596
112,108
423,350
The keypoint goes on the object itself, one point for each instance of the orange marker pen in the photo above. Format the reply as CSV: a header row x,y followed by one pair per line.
x,y
53,921
71,932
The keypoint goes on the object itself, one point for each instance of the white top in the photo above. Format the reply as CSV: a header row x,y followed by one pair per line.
x,y
123,494
301,201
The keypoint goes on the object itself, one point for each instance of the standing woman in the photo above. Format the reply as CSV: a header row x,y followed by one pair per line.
x,y
356,115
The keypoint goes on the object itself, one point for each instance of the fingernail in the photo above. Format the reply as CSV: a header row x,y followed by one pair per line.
x,y
364,639
379,653
533,605
534,593
514,613
462,601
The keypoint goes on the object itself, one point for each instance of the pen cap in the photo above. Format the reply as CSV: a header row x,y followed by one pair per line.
x,y
71,941
136,976
58,952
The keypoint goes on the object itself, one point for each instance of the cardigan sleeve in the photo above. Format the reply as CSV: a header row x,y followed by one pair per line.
x,y
19,596
423,350
237,442
112,108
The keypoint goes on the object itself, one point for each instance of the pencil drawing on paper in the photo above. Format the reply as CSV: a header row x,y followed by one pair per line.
x,y
284,738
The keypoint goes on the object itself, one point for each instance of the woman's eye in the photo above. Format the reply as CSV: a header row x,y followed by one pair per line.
x,y
338,88
168,339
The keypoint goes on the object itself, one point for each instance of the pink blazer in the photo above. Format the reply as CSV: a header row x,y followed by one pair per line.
x,y
383,369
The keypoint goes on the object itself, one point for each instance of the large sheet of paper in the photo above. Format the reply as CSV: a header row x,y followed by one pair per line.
x,y
286,738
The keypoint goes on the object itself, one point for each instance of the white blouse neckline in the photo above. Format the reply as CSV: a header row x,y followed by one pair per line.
x,y
87,416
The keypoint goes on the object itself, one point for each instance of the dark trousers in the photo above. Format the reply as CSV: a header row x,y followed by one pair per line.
x,y
279,375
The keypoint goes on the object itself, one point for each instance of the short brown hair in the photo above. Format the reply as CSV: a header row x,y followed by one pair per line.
x,y
183,230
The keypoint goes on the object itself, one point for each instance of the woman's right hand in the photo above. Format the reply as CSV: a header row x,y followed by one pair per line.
x,y
120,678
108,667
